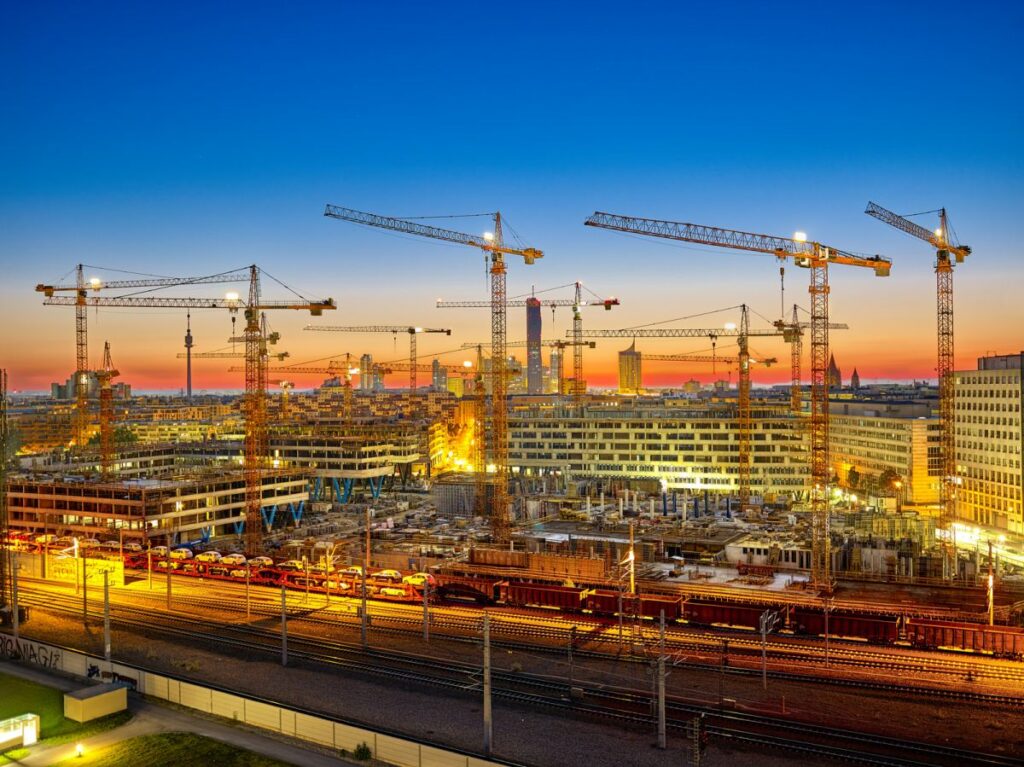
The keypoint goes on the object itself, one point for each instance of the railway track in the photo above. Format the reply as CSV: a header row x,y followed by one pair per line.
x,y
617,704
921,674
628,707
783,649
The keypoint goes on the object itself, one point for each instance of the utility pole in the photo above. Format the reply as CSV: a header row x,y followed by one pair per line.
x,y
149,569
167,560
85,588
305,564
366,563
426,611
248,603
488,742
14,597
991,589
828,606
106,615
572,642
284,626
769,620
363,611
723,662
662,740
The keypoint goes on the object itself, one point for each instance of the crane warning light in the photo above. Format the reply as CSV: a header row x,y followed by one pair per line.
x,y
489,236
800,236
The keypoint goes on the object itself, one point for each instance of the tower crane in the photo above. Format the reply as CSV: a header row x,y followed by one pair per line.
x,y
744,425
81,290
577,302
255,403
945,247
815,257
409,329
493,246
104,376
793,334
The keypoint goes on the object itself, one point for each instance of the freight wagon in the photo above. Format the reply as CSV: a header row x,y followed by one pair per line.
x,y
875,630
1001,641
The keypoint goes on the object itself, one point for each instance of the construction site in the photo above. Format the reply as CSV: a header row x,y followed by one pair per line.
x,y
817,510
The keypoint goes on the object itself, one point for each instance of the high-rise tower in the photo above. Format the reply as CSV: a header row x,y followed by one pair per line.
x,y
629,370
534,373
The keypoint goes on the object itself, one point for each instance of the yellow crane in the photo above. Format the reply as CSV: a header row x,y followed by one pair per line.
x,y
104,375
815,257
81,289
947,250
493,246
577,302
255,336
412,332
741,334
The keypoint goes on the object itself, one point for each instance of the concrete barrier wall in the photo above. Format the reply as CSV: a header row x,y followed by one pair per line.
x,y
265,715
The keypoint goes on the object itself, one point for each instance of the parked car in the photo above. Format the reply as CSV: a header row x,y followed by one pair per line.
x,y
111,545
158,551
233,559
353,570
46,538
291,565
418,579
208,556
388,575
181,553
133,547
391,591
261,561
88,543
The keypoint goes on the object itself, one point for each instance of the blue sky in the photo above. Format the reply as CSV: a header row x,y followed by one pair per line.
x,y
195,137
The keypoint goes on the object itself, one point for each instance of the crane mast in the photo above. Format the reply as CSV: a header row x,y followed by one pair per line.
x,y
944,248
254,402
104,376
816,258
497,250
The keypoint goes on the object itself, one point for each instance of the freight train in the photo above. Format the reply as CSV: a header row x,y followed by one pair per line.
x,y
927,634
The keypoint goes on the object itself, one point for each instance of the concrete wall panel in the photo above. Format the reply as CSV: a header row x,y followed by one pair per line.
x,y
399,752
314,729
263,715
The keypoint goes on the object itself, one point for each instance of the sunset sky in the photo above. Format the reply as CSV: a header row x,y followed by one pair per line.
x,y
187,139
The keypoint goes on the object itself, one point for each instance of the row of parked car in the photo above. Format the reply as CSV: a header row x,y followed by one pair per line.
x,y
66,542
352,572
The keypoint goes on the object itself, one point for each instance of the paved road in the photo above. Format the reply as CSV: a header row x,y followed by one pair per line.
x,y
149,718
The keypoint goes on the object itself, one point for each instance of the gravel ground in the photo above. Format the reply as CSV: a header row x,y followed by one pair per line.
x,y
455,718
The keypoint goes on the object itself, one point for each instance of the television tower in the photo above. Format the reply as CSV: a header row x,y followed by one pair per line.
x,y
188,356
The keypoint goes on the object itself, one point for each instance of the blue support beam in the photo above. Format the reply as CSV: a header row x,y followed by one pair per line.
x,y
296,511
239,526
317,490
375,486
347,484
268,520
